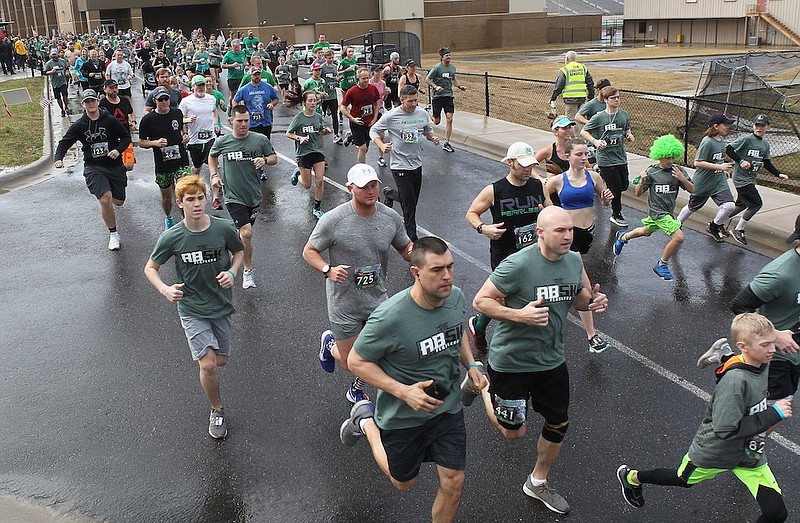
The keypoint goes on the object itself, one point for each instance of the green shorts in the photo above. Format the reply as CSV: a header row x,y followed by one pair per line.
x,y
166,180
667,223
751,477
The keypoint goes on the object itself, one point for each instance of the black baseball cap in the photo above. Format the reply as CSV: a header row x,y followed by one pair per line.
x,y
110,83
761,119
796,234
718,118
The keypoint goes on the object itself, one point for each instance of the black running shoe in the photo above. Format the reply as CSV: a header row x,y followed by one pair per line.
x,y
632,493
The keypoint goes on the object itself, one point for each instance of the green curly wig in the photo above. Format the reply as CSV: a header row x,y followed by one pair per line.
x,y
666,146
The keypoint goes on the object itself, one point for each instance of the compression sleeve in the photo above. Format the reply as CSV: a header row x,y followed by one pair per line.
x,y
768,165
746,301
752,425
732,153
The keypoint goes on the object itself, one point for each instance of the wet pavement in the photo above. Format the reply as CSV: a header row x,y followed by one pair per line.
x,y
104,415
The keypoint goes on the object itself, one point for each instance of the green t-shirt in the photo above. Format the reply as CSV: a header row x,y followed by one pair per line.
x,y
741,392
234,58
663,190
59,67
523,277
753,149
240,176
591,108
428,351
348,79
708,182
199,258
222,106
442,75
310,126
611,128
778,286
324,45
266,76
330,75
250,42
318,86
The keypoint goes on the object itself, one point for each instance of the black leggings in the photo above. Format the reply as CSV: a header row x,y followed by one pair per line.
x,y
773,508
747,197
331,107
616,178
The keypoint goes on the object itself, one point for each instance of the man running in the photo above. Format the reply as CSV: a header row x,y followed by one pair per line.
x,y
442,78
56,69
121,72
259,98
208,254
245,155
398,132
358,236
121,109
164,80
531,292
391,74
330,97
104,140
233,62
418,414
200,109
360,105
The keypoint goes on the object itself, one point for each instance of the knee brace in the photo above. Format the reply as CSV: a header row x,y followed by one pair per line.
x,y
554,434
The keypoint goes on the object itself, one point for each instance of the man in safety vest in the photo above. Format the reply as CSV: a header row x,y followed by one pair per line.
x,y
574,84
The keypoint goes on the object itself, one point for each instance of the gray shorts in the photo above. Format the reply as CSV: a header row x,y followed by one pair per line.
x,y
208,333
696,202
346,331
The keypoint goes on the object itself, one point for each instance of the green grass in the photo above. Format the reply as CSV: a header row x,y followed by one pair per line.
x,y
21,135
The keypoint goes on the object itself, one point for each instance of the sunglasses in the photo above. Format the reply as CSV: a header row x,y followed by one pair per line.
x,y
163,99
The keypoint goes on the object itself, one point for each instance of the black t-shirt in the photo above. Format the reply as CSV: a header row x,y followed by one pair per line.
x,y
95,73
155,126
144,54
120,111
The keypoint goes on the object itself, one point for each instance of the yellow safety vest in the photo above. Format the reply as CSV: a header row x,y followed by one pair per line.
x,y
575,87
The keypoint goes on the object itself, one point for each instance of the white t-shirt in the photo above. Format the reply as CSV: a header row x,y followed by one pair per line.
x,y
120,73
202,129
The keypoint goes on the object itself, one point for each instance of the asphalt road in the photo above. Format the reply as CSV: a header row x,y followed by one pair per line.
x,y
104,416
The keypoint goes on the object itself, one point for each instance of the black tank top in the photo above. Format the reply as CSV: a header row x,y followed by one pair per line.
x,y
555,159
409,82
517,208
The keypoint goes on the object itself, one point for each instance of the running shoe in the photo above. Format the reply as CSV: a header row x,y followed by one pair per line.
x,y
113,241
169,221
295,176
619,243
326,344
217,428
248,279
663,272
263,176
348,139
478,337
598,344
216,204
713,356
447,147
381,161
739,236
318,213
619,221
468,394
724,230
387,199
551,499
632,493
355,392
350,430
337,138
713,229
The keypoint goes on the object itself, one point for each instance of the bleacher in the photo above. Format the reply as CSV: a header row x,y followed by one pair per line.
x,y
585,7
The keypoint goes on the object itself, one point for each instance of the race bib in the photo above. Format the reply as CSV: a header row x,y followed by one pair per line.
x,y
445,75
257,116
614,140
525,235
171,152
204,134
366,110
409,135
592,150
367,277
754,447
99,149
756,165
510,412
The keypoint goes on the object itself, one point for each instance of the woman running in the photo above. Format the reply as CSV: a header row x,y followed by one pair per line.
x,y
307,130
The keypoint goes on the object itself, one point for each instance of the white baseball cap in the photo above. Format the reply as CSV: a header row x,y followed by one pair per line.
x,y
521,152
361,174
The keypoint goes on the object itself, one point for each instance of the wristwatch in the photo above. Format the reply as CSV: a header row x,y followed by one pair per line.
x,y
325,269
479,228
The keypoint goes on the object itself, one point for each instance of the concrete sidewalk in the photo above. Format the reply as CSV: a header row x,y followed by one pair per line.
x,y
766,232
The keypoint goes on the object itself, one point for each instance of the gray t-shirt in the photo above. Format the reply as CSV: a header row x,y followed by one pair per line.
x,y
778,286
412,344
442,75
663,190
405,131
708,182
611,128
363,244
753,149
239,174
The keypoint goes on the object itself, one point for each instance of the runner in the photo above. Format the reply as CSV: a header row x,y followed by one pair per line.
x,y
531,292
358,236
607,131
93,70
200,109
163,131
359,105
122,110
330,100
555,156
104,140
307,130
733,433
245,155
56,69
591,108
121,72
711,178
208,254
750,152
233,62
164,80
663,181
418,414
442,78
380,85
283,75
391,75
398,133
259,98
410,77
515,202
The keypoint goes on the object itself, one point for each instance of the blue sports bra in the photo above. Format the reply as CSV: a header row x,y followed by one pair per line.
x,y
573,198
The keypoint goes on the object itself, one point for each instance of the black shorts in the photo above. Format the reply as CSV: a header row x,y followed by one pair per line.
x,y
60,92
548,391
265,130
441,440
283,86
84,84
445,103
101,180
582,239
391,101
360,134
242,214
783,378
748,196
308,161
126,92
233,85
198,152
696,202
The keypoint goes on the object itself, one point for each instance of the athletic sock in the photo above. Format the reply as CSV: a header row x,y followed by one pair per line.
x,y
685,213
662,261
537,482
624,237
629,478
112,229
361,424
317,203
741,225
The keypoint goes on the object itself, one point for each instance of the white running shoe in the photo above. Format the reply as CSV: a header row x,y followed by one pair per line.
x,y
248,279
113,241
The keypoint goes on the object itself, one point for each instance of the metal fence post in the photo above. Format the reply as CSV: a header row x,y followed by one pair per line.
x,y
686,134
486,90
